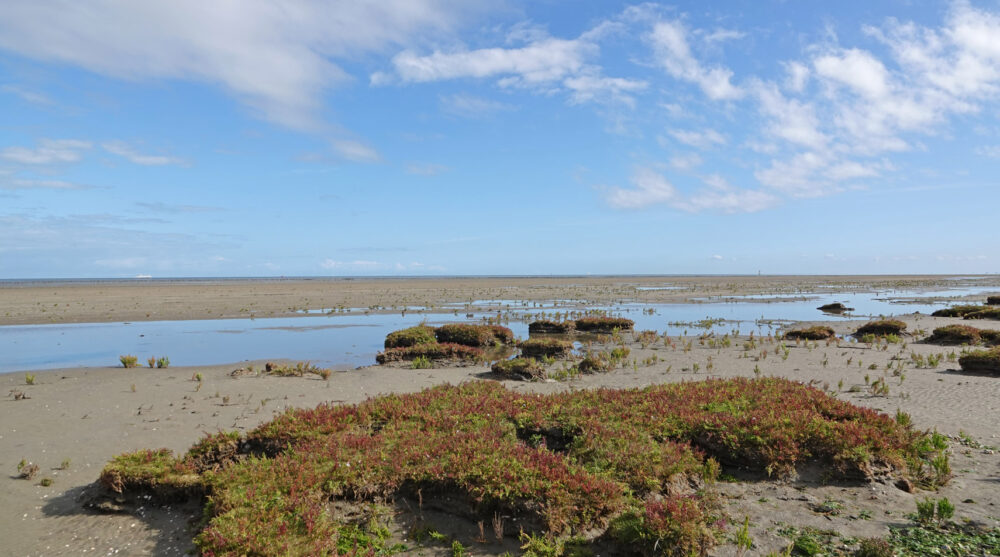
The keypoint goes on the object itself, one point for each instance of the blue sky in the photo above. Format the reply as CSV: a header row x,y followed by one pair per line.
x,y
191,138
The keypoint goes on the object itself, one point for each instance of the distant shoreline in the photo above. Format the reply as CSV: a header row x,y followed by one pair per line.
x,y
7,282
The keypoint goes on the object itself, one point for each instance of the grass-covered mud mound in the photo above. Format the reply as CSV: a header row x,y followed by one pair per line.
x,y
628,468
459,341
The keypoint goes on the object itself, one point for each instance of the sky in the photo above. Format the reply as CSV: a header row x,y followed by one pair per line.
x,y
436,137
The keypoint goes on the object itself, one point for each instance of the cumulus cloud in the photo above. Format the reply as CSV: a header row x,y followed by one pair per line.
x,y
673,54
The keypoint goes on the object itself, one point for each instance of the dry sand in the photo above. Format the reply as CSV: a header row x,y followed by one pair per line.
x,y
89,415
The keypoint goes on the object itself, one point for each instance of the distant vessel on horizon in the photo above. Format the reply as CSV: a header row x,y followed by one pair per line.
x,y
144,276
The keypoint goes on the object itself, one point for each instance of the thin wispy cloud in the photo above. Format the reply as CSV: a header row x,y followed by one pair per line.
x,y
129,153
47,152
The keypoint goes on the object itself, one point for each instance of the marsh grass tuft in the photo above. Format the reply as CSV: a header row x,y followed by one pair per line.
x,y
128,360
421,362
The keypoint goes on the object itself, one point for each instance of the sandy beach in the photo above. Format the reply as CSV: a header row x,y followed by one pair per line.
x,y
71,421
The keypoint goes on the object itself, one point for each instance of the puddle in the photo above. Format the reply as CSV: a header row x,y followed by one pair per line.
x,y
346,340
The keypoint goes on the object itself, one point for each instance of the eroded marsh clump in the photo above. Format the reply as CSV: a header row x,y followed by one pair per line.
x,y
545,326
458,341
981,361
881,328
545,347
519,368
603,324
818,332
988,311
963,334
633,468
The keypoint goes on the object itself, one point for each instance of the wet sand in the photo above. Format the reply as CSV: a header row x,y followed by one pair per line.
x,y
89,415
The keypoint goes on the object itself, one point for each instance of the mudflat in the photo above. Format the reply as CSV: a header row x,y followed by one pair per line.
x,y
35,302
71,422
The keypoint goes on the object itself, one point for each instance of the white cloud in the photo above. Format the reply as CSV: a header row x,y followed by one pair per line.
x,y
798,76
721,35
26,184
49,151
813,174
652,188
471,106
991,151
789,119
277,58
356,264
26,95
588,87
355,151
122,149
856,69
685,162
545,64
540,62
701,139
426,169
673,53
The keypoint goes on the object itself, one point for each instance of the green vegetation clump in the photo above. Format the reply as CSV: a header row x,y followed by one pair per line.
x,y
987,313
957,311
881,328
129,360
297,370
545,347
993,300
544,326
214,451
520,368
436,351
835,307
631,468
421,334
819,332
958,334
595,363
981,361
155,473
603,324
474,335
874,547
421,362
